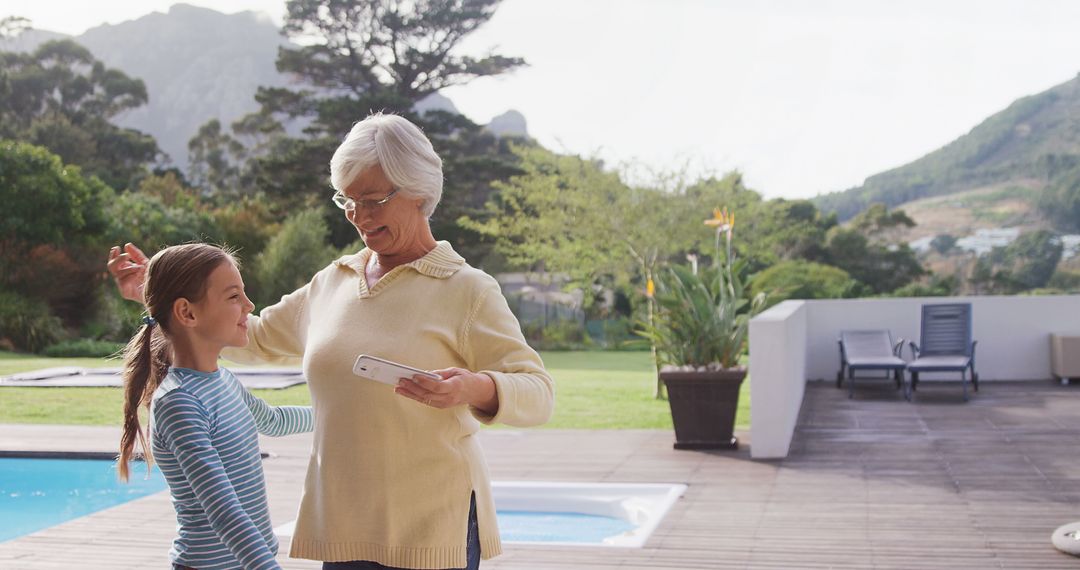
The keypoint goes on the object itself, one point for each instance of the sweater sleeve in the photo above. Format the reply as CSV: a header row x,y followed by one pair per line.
x,y
185,426
277,421
275,336
492,344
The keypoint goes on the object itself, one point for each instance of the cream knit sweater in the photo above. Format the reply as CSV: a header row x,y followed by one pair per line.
x,y
390,479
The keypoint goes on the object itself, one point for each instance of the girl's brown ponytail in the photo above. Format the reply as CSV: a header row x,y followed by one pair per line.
x,y
146,361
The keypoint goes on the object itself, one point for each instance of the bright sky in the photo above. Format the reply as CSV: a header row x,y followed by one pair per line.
x,y
802,96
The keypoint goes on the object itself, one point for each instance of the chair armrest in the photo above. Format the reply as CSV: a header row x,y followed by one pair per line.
x,y
914,349
843,356
973,343
899,348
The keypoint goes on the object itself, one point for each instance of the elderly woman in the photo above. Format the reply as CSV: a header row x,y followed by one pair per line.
x,y
396,477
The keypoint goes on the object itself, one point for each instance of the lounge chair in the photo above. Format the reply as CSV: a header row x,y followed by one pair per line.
x,y
869,350
946,345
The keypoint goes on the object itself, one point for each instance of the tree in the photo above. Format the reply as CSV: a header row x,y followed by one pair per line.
x,y
1065,281
798,279
160,213
780,230
362,56
882,268
982,276
378,51
60,97
13,26
45,201
1029,262
877,220
246,225
564,214
54,216
296,253
1060,200
1033,257
865,250
943,243
214,158
936,286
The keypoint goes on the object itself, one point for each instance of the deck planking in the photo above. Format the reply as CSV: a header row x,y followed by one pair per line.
x,y
873,482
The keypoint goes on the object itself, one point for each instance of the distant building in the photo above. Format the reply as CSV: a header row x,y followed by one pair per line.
x,y
984,240
540,297
1070,245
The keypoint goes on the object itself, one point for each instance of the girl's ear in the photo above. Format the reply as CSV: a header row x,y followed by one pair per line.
x,y
183,313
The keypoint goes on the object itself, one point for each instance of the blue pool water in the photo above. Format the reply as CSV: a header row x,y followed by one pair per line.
x,y
531,526
39,493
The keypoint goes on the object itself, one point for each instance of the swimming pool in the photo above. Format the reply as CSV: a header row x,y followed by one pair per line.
x,y
37,493
602,514
574,514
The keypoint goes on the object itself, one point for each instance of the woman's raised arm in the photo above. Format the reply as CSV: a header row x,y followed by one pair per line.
x,y
128,269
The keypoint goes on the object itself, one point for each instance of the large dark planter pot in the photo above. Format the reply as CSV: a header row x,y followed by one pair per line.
x,y
703,406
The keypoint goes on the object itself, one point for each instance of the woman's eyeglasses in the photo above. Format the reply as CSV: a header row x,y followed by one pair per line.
x,y
348,204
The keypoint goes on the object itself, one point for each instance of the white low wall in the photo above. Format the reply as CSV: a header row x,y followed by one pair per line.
x,y
796,340
777,377
1013,332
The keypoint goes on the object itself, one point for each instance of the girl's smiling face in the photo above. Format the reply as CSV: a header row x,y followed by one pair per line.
x,y
221,315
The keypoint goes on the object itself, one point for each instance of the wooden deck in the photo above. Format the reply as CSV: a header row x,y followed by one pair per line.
x,y
873,482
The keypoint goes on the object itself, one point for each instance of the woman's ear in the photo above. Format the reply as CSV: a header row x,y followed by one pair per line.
x,y
183,313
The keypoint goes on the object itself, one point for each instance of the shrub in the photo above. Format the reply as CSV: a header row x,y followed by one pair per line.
x,y
292,257
66,278
615,334
562,334
44,200
1065,280
936,286
52,222
804,280
114,318
84,348
26,323
245,225
150,221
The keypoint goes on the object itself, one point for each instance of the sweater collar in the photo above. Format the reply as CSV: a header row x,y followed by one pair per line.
x,y
440,263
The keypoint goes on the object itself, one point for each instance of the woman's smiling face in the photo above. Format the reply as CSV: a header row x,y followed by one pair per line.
x,y
394,228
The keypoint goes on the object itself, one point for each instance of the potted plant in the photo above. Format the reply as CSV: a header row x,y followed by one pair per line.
x,y
699,331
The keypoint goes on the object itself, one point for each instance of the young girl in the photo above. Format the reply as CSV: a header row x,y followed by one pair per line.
x,y
203,423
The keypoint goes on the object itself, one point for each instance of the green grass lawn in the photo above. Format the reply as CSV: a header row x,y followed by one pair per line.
x,y
594,390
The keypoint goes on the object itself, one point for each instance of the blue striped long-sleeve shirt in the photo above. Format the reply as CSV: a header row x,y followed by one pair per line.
x,y
204,430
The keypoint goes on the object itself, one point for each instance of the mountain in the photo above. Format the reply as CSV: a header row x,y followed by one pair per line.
x,y
198,64
510,123
29,40
1023,145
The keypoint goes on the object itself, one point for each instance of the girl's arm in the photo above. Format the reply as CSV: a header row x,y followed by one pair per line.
x,y
183,422
277,421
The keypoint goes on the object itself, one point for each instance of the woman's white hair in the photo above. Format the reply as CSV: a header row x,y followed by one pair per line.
x,y
400,148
